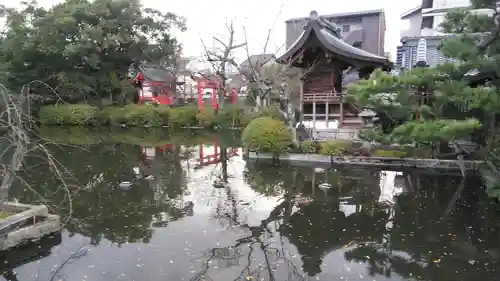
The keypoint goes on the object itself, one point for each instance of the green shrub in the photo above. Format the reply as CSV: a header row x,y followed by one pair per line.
x,y
233,116
163,112
141,115
335,147
111,115
134,115
206,117
68,114
183,116
389,153
271,111
265,134
308,146
144,115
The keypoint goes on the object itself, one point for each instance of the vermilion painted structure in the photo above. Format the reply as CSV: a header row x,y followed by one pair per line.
x,y
153,84
203,84
213,157
207,155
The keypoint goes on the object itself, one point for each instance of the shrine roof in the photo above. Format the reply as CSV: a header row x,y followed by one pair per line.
x,y
255,62
150,72
343,15
157,74
320,32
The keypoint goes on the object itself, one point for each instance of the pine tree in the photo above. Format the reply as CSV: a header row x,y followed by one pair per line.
x,y
438,105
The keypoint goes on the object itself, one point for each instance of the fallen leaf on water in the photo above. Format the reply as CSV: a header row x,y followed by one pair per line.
x,y
348,244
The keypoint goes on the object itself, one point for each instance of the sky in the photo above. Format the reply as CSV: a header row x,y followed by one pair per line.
x,y
206,19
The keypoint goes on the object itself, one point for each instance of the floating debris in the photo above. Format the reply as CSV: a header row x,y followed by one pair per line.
x,y
125,184
325,186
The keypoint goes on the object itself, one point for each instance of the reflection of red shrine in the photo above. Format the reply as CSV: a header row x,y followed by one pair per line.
x,y
212,154
207,155
207,91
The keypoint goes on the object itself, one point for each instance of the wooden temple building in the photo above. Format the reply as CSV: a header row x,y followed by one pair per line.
x,y
328,63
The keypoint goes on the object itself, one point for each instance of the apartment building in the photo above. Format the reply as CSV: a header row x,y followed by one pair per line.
x,y
424,23
363,29
425,19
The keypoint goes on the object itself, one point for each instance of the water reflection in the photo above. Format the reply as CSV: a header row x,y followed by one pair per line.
x,y
267,223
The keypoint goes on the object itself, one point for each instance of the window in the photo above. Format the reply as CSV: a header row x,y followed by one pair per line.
x,y
357,45
147,92
427,22
346,28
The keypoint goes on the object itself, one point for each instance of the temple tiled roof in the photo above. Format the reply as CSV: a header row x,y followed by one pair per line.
x,y
328,37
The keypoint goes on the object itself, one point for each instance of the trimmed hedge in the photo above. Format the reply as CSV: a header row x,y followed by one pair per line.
x,y
87,136
144,115
75,115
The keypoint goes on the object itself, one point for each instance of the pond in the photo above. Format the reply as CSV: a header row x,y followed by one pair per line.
x,y
142,205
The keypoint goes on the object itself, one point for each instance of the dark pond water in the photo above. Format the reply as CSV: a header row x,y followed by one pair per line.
x,y
280,223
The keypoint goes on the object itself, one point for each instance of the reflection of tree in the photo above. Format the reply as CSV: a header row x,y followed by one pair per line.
x,y
169,176
319,228
425,244
427,235
19,256
100,208
247,249
272,180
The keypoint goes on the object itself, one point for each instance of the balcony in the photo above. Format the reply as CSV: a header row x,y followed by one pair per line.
x,y
321,97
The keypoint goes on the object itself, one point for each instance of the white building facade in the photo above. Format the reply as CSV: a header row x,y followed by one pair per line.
x,y
424,23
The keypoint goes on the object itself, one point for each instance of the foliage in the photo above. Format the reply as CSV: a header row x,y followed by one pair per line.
x,y
428,124
88,136
68,114
335,147
265,134
82,49
183,116
435,105
438,105
143,115
429,132
309,146
390,153
271,111
148,115
206,117
234,116
349,148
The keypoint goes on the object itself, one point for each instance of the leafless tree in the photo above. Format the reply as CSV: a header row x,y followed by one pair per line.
x,y
19,140
220,61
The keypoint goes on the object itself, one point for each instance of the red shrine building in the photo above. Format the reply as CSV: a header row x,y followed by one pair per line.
x,y
328,63
207,89
153,84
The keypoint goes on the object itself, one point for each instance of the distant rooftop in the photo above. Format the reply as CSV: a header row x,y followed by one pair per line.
x,y
343,15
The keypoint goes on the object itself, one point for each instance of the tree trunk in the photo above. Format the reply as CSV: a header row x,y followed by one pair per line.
x,y
258,101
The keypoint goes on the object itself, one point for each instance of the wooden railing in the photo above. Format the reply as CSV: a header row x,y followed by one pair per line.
x,y
322,97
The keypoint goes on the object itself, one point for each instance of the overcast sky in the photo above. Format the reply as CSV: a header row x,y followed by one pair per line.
x,y
208,18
